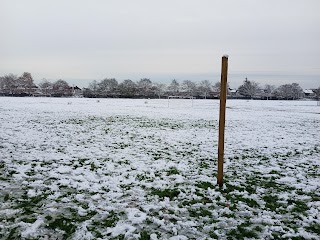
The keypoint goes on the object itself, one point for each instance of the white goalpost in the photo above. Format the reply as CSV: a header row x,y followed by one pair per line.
x,y
180,97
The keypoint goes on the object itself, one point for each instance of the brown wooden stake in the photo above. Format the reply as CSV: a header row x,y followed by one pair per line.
x,y
223,98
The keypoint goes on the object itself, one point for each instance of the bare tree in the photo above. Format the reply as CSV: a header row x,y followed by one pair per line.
x,y
61,88
9,84
205,87
174,86
188,86
25,83
269,90
144,86
248,88
285,91
128,88
217,86
159,88
296,91
61,85
93,86
108,86
290,91
46,86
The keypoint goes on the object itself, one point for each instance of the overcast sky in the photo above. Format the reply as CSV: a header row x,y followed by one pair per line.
x,y
275,41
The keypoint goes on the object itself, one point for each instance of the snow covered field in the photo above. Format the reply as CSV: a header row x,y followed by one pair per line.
x,y
137,169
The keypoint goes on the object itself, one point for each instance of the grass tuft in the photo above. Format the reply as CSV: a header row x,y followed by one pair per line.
x,y
169,193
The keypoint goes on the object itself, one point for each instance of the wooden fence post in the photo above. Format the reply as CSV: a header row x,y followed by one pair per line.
x,y
223,98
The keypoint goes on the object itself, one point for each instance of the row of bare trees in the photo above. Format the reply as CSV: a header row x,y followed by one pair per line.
x,y
12,85
293,91
110,87
59,88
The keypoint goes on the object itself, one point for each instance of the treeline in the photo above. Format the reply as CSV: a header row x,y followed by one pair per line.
x,y
145,88
293,91
12,85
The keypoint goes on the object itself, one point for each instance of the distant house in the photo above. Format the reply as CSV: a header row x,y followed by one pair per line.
x,y
309,93
76,91
232,92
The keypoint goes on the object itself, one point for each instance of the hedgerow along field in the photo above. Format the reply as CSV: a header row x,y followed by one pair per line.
x,y
146,169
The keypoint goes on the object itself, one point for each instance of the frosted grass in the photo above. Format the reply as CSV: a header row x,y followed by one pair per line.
x,y
138,169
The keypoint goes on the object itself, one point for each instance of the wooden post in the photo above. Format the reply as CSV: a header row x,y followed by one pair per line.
x,y
223,98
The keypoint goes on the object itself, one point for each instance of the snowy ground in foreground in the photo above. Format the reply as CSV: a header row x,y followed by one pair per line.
x,y
137,169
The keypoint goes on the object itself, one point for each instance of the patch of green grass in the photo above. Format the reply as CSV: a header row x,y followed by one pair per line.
x,y
2,165
242,232
205,185
251,189
93,167
203,200
14,234
6,197
200,193
274,172
82,161
31,173
258,228
50,180
228,215
188,203
271,202
141,177
277,236
315,227
95,231
169,193
11,172
126,186
148,221
295,238
27,205
144,236
213,235
199,212
65,224
230,188
111,220
29,220
235,198
204,165
119,237
299,206
172,171
267,183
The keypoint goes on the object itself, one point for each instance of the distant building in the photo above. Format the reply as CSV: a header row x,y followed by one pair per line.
x,y
309,93
76,91
233,92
